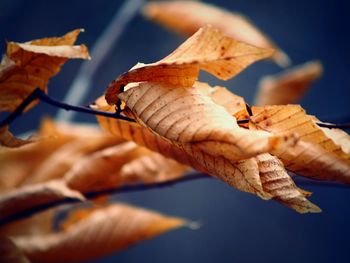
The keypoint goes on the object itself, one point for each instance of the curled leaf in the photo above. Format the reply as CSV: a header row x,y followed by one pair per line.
x,y
30,65
98,233
316,154
188,118
208,49
288,86
277,182
186,17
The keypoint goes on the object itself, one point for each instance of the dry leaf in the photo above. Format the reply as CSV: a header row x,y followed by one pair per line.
x,y
30,196
30,65
186,17
243,175
8,140
208,49
316,155
101,170
104,231
288,86
9,253
279,184
193,121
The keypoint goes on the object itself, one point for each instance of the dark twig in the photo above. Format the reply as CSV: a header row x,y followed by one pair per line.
x,y
39,94
90,195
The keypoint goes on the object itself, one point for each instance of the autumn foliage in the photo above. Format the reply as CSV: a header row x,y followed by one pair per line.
x,y
179,124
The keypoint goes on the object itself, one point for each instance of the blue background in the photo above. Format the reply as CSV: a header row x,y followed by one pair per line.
x,y
237,227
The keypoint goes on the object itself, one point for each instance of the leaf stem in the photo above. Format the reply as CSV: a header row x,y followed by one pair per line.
x,y
39,94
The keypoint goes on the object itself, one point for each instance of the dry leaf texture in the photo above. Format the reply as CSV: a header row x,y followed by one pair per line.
x,y
208,49
30,65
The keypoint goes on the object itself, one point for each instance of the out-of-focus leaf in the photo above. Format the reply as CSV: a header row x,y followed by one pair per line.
x,y
186,17
101,169
30,65
30,196
9,253
208,49
316,154
289,86
101,232
151,168
59,162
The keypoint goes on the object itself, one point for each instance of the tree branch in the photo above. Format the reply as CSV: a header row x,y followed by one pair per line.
x,y
124,189
39,94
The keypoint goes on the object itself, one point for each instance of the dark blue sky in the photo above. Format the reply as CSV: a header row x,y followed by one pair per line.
x,y
237,227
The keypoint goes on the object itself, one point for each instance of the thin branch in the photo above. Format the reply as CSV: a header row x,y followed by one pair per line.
x,y
39,94
81,85
124,189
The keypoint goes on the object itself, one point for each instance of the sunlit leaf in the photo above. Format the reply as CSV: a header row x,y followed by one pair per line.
x,y
30,65
186,17
208,49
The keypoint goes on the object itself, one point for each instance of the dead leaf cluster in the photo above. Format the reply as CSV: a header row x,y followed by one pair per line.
x,y
180,123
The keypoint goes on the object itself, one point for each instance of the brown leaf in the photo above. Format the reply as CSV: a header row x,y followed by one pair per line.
x,y
30,65
243,175
316,155
30,196
208,49
186,17
8,140
188,118
101,169
103,232
276,181
9,253
288,86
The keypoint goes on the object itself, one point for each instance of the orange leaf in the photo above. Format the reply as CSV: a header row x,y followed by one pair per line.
x,y
30,65
99,233
288,86
208,49
186,17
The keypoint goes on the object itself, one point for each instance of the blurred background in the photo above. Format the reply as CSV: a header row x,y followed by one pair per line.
x,y
236,227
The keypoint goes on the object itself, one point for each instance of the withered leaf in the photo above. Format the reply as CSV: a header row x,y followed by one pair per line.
x,y
186,17
30,65
101,169
315,155
243,175
288,86
102,232
208,49
188,118
277,182
7,139
26,197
